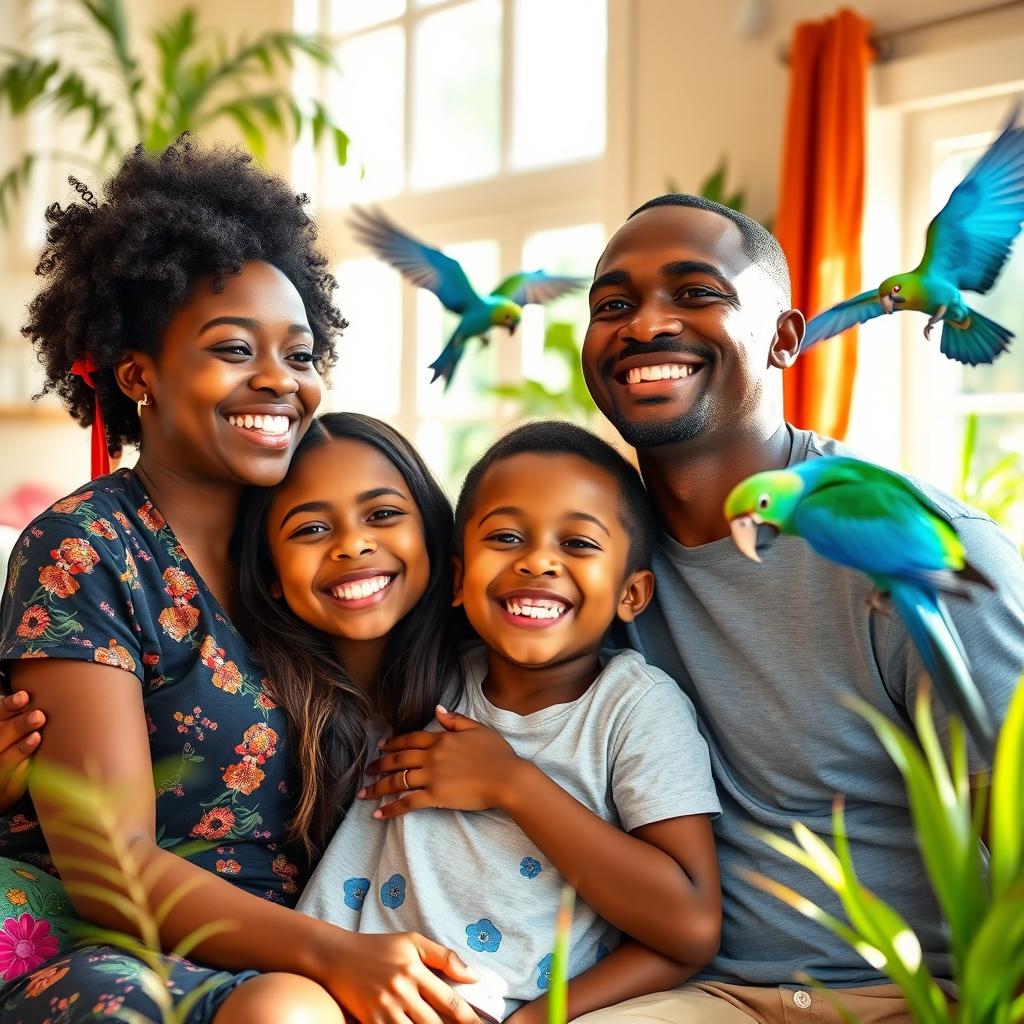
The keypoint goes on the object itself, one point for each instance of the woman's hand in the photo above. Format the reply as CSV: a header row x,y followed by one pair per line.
x,y
466,767
19,739
391,979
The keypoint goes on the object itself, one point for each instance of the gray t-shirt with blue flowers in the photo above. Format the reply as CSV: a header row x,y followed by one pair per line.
x,y
628,749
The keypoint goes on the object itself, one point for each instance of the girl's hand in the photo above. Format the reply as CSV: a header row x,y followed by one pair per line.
x,y
19,739
467,767
391,979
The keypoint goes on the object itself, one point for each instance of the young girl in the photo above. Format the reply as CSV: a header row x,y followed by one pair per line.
x,y
354,544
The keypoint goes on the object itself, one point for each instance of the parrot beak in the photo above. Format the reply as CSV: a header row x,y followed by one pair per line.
x,y
744,533
512,329
752,535
887,304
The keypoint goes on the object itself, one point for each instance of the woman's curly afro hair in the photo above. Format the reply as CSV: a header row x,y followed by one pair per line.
x,y
116,271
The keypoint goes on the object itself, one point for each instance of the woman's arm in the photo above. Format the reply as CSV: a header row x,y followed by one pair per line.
x,y
96,719
629,971
658,884
19,737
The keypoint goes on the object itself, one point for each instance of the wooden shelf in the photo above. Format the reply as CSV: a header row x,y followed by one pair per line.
x,y
34,411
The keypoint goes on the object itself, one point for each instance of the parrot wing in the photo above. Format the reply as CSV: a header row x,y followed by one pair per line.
x,y
969,239
537,287
881,530
424,266
838,318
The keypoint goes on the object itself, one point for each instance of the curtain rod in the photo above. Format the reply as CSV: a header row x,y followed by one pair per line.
x,y
883,42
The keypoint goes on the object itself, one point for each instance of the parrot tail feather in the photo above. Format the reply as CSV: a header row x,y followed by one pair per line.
x,y
444,365
979,340
943,656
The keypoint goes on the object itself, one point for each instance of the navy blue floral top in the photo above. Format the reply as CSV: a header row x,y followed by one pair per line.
x,y
101,577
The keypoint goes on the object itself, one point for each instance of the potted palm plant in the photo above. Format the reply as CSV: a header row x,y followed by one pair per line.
x,y
108,98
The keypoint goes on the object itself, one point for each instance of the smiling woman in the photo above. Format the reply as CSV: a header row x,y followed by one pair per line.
x,y
198,300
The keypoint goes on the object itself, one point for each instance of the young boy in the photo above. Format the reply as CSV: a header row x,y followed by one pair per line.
x,y
578,765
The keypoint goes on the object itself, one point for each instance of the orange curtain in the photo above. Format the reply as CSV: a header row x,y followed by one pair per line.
x,y
821,203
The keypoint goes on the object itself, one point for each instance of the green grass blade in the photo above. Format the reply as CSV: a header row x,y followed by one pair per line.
x,y
1006,828
558,985
994,967
941,850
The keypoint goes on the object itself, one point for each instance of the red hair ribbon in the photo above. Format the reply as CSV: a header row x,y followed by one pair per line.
x,y
85,368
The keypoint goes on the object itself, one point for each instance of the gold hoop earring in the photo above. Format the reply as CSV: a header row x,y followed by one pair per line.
x,y
144,400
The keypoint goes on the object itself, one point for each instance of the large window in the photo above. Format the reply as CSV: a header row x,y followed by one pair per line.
x,y
913,407
479,126
944,144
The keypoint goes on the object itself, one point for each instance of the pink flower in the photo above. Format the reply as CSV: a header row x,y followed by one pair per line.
x,y
25,943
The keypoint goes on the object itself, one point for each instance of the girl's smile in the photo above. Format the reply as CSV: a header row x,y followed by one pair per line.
x,y
363,588
347,542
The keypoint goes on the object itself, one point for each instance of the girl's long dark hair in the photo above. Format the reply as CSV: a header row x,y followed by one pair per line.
x,y
329,715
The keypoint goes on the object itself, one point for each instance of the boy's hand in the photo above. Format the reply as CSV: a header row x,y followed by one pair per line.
x,y
467,767
534,1012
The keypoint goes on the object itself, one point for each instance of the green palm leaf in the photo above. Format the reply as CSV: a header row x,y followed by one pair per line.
x,y
986,921
197,81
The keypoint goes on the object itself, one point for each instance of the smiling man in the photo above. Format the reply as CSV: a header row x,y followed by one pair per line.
x,y
690,332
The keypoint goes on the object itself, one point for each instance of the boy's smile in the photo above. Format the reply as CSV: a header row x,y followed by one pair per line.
x,y
545,556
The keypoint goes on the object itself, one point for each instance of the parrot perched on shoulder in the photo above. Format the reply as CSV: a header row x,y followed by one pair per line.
x,y
429,268
867,518
967,244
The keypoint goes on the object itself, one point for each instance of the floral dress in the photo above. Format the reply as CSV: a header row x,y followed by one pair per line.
x,y
101,577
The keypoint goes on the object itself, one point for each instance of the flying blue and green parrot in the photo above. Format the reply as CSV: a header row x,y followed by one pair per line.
x,y
429,268
867,518
967,244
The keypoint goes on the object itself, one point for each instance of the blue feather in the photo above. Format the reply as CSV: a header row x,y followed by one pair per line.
x,y
942,654
979,343
843,315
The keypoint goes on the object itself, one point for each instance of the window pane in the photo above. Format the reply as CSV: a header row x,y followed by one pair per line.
x,y
367,98
999,435
350,15
468,395
367,377
456,127
573,250
559,81
1002,303
449,449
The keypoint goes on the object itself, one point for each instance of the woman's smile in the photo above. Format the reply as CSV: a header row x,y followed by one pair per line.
x,y
267,426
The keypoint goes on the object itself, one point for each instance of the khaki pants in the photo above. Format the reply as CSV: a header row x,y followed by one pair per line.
x,y
713,1002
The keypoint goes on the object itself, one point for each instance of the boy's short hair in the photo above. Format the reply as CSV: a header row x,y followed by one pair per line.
x,y
557,437
759,244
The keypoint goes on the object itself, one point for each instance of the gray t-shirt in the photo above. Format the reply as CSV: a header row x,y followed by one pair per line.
x,y
628,749
765,652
